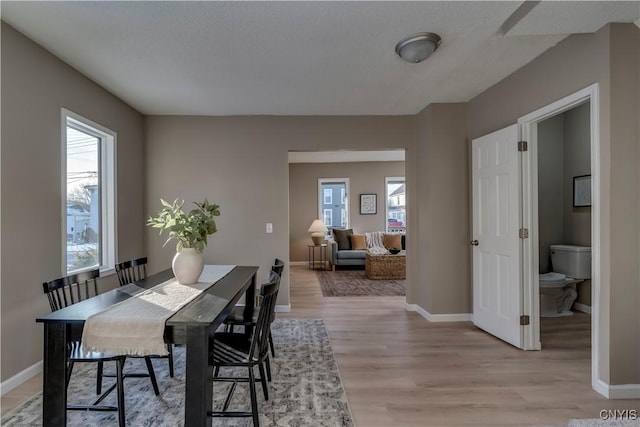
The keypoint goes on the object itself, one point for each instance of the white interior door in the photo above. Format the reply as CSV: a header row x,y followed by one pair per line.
x,y
496,243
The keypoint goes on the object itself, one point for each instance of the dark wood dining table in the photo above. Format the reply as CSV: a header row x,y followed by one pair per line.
x,y
192,326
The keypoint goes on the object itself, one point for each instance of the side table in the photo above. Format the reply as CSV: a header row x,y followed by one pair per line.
x,y
322,249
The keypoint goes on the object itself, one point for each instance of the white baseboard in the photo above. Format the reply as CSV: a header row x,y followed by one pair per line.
x,y
20,378
458,317
622,391
582,307
283,308
298,263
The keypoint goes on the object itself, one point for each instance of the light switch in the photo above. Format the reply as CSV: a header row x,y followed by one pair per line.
x,y
269,227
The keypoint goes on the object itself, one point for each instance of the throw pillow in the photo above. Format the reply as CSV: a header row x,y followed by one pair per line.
x,y
392,240
341,237
358,242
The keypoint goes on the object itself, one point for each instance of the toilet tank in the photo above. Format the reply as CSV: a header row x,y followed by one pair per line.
x,y
573,261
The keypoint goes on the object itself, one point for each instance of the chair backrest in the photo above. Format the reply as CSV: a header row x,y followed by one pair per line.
x,y
269,293
69,290
131,271
278,267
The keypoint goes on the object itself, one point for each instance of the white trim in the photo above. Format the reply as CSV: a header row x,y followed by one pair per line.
x,y
283,308
622,391
582,307
530,192
20,378
298,262
457,317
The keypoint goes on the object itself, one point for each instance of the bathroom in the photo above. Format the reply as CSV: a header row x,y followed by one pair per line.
x,y
564,215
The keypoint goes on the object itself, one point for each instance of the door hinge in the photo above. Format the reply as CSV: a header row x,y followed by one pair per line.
x,y
522,145
524,320
524,233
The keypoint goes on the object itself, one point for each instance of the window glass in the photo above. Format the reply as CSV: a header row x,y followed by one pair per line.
x,y
396,205
88,196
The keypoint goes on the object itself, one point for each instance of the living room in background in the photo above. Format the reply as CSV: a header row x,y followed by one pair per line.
x,y
88,192
395,205
333,202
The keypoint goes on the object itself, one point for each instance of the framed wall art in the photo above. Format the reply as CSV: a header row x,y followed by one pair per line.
x,y
582,191
368,204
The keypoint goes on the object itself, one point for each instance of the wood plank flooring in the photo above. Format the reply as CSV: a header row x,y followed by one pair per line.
x,y
400,370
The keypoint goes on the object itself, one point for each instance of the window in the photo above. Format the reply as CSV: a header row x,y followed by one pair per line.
x,y
396,209
328,196
327,217
333,201
88,194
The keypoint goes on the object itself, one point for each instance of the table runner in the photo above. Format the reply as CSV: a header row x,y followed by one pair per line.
x,y
136,326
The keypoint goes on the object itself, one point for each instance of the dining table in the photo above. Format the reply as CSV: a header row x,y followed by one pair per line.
x,y
192,325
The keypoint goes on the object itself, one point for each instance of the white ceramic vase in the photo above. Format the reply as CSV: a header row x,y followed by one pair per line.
x,y
187,266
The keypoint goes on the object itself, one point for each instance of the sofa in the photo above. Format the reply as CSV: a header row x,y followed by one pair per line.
x,y
350,257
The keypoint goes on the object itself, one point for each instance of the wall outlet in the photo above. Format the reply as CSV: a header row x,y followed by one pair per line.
x,y
269,227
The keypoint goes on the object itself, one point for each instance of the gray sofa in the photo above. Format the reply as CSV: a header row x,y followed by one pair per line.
x,y
350,257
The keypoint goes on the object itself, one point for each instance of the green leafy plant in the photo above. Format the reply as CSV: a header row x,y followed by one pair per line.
x,y
190,229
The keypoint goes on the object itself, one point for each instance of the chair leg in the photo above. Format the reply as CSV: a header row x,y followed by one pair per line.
x,y
263,380
152,375
170,348
99,378
268,366
120,387
273,352
254,399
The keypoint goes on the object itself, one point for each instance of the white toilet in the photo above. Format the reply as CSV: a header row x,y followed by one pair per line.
x,y
571,265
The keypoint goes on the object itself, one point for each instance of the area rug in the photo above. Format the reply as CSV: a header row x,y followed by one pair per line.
x,y
306,389
349,283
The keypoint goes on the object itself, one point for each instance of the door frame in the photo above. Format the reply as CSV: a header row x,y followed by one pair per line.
x,y
530,262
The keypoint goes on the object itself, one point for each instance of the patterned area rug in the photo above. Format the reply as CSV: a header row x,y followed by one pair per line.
x,y
306,389
350,283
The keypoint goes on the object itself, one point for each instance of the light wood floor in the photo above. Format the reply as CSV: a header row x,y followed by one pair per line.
x,y
400,370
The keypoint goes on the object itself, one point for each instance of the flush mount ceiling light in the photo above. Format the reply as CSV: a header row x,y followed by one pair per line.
x,y
417,47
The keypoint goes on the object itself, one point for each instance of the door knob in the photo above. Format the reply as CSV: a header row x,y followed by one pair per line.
x,y
474,243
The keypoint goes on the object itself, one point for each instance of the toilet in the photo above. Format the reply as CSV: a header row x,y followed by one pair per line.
x,y
571,265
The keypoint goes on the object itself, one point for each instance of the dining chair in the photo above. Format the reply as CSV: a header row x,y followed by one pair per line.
x,y
236,317
233,350
133,271
65,292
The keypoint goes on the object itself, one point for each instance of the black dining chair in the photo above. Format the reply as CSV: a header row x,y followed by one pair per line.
x,y
236,317
133,271
232,350
67,291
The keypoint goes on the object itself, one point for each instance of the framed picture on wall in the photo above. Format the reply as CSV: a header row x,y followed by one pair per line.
x,y
582,191
368,204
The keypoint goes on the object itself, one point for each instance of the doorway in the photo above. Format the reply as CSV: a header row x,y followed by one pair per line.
x,y
506,242
531,250
564,229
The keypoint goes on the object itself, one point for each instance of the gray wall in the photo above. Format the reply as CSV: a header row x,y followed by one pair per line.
x,y
441,194
550,189
35,86
242,164
364,177
608,57
564,151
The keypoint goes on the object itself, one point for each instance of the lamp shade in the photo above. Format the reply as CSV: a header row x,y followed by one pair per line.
x,y
317,231
317,226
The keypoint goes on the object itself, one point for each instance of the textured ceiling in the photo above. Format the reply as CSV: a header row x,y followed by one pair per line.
x,y
295,58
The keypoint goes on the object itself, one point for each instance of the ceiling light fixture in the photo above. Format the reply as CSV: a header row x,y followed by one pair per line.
x,y
417,47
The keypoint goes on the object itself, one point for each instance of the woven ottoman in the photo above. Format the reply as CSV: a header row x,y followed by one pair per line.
x,y
385,266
